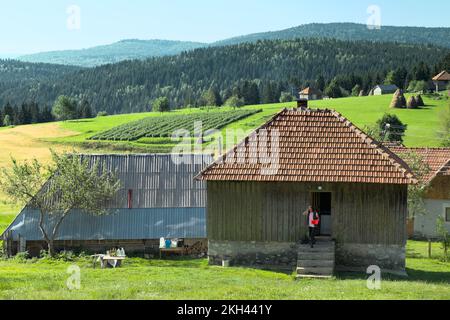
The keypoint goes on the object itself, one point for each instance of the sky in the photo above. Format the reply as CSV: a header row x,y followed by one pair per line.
x,y
30,26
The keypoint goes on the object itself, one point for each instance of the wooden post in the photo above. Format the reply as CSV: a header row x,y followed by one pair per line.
x,y
429,249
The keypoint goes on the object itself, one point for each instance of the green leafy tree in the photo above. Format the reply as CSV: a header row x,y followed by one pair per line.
x,y
7,121
391,128
56,190
286,97
444,235
161,104
333,90
356,90
235,102
211,97
85,110
65,108
416,192
320,83
397,77
444,132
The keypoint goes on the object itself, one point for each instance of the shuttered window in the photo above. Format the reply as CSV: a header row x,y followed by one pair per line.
x,y
447,214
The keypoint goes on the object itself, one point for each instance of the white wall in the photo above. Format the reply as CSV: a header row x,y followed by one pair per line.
x,y
377,92
425,225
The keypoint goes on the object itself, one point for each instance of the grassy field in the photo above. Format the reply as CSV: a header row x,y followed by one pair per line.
x,y
422,123
29,141
194,279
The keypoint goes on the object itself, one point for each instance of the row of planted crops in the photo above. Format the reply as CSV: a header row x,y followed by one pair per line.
x,y
165,126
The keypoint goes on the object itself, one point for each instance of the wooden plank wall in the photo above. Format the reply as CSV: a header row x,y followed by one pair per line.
x,y
439,188
251,211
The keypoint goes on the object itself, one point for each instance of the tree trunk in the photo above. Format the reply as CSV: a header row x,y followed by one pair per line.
x,y
51,248
51,240
44,233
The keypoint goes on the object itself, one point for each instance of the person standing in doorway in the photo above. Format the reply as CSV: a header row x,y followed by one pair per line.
x,y
313,217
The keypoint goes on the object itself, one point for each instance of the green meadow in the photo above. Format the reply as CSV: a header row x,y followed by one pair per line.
x,y
429,279
423,124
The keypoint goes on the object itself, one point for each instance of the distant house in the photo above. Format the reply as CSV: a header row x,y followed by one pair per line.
x,y
158,198
441,81
384,89
310,94
437,197
319,158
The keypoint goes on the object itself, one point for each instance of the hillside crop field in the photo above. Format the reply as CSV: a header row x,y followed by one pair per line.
x,y
429,279
165,126
25,142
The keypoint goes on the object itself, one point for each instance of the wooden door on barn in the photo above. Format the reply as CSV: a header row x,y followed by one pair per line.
x,y
321,201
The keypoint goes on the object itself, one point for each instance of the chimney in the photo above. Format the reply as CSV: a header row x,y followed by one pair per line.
x,y
302,104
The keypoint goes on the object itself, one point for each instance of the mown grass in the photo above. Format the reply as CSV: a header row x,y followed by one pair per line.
x,y
195,279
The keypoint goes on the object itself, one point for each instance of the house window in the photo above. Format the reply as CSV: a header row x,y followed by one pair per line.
x,y
130,199
447,214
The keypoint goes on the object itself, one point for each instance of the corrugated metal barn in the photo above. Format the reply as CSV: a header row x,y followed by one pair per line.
x,y
158,198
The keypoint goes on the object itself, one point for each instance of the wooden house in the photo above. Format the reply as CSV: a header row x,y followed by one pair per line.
x,y
441,81
257,192
310,94
437,196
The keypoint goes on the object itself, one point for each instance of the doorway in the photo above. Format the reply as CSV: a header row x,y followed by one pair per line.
x,y
322,202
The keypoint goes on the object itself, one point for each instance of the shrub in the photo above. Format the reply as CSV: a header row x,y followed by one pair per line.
x,y
286,97
444,236
161,105
235,102
21,257
391,128
102,114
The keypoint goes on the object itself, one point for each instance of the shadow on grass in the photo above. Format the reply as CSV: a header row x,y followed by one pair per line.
x,y
413,275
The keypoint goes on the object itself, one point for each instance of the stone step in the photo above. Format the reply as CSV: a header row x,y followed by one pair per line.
x,y
312,276
316,256
321,271
315,263
307,249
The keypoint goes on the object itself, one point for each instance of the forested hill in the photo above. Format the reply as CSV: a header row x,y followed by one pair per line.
x,y
17,71
352,32
116,52
131,86
143,49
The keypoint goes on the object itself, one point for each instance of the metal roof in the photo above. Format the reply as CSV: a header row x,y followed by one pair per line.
x,y
122,224
157,181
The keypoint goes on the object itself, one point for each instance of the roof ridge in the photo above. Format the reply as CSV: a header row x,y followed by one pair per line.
x,y
398,162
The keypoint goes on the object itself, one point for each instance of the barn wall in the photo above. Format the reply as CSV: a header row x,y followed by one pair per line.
x,y
439,188
361,213
247,220
146,248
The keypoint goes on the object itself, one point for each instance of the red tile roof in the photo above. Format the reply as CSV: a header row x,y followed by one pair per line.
x,y
309,90
443,76
438,159
312,146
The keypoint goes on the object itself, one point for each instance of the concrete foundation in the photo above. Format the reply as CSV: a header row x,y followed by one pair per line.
x,y
282,255
354,257
349,257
